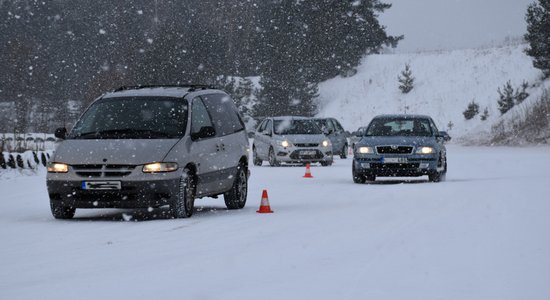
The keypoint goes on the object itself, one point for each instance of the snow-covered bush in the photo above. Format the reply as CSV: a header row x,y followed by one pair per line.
x,y
20,162
471,111
11,162
2,161
506,98
43,159
485,114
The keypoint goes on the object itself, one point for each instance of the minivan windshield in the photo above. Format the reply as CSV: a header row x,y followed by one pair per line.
x,y
295,126
399,127
133,118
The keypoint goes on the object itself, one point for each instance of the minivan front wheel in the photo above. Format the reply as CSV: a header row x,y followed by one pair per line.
x,y
183,203
235,198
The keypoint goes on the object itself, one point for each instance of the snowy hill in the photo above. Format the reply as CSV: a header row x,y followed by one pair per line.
x,y
445,82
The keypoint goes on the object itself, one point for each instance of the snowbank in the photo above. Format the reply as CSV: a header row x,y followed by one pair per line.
x,y
445,82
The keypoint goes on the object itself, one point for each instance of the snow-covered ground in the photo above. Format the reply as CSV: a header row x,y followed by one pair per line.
x,y
482,234
445,83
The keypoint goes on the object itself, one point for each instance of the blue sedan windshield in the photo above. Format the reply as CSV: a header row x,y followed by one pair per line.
x,y
399,127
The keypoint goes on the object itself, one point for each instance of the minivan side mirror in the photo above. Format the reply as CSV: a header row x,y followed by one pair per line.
x,y
204,132
61,133
443,135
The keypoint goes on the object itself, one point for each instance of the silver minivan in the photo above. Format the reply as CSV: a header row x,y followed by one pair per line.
x,y
151,146
291,140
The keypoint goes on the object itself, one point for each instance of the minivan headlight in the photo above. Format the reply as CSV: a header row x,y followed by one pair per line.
x,y
425,150
325,143
365,150
58,168
160,167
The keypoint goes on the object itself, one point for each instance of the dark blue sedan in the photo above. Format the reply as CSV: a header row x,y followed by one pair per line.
x,y
400,145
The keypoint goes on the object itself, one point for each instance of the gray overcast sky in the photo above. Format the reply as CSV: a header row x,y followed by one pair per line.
x,y
454,24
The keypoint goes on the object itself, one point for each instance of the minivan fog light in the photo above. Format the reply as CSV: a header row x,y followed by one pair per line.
x,y
58,168
425,150
160,167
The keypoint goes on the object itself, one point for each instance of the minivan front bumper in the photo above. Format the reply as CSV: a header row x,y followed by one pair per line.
x,y
68,191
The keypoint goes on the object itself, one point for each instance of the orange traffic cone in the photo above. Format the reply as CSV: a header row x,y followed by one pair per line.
x,y
308,172
264,206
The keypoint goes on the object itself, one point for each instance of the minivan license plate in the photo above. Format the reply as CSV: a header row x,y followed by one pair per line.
x,y
394,160
101,185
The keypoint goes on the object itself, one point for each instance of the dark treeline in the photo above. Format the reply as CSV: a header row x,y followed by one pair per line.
x,y
59,50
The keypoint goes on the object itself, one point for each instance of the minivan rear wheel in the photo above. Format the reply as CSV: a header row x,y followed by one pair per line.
x,y
62,212
236,197
183,203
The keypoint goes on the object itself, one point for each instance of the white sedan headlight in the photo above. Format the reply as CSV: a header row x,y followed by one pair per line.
x,y
160,167
325,143
285,143
425,150
365,150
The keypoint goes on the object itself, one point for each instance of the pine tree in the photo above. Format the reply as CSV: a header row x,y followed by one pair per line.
x,y
485,114
538,35
406,80
506,95
521,92
471,111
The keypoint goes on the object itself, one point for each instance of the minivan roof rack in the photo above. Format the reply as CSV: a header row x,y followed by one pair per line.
x,y
192,87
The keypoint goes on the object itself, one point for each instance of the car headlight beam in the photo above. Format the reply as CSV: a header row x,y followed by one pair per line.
x,y
325,143
58,168
365,150
159,167
425,150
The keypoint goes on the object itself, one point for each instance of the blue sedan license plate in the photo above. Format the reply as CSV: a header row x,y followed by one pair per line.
x,y
394,160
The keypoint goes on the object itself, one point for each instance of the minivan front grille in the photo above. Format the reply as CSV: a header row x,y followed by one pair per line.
x,y
394,149
93,171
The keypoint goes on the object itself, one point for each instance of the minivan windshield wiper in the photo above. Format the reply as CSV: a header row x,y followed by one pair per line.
x,y
123,133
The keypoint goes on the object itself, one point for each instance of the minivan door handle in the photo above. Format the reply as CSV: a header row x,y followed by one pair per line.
x,y
222,147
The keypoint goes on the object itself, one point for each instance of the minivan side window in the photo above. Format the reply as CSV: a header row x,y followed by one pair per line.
x,y
199,116
261,127
225,115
